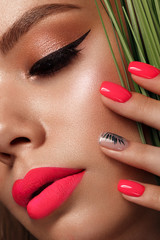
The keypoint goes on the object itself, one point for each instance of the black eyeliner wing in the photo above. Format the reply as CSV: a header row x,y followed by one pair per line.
x,y
58,59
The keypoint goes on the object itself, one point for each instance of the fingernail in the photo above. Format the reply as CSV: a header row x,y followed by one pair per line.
x,y
143,70
113,141
115,92
131,188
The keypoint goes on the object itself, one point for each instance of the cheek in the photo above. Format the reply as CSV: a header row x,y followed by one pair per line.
x,y
4,174
6,187
75,116
70,106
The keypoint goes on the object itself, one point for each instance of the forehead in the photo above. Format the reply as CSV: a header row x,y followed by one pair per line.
x,y
12,10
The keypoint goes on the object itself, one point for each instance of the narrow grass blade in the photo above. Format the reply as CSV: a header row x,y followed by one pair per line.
x,y
155,19
134,25
156,140
146,33
140,129
151,25
123,65
120,20
157,5
139,47
123,41
114,58
130,41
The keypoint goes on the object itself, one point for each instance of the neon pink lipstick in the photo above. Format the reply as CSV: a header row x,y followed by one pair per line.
x,y
43,190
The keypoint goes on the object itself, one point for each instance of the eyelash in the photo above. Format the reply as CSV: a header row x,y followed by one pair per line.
x,y
57,60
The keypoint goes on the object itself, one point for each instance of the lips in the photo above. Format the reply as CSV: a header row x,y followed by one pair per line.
x,y
43,190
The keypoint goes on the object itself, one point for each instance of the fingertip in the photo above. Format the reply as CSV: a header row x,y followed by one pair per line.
x,y
113,141
130,188
115,92
144,70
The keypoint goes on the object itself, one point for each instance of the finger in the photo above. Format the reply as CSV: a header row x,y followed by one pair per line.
x,y
131,105
146,76
146,195
135,154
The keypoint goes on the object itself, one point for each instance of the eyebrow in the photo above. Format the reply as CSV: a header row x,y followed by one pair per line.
x,y
28,20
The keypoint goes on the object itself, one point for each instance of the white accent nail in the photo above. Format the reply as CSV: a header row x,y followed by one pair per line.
x,y
113,141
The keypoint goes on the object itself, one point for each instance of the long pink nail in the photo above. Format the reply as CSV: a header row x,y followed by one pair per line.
x,y
143,70
131,188
115,92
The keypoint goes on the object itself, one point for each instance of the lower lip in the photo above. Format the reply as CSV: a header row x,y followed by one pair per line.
x,y
53,196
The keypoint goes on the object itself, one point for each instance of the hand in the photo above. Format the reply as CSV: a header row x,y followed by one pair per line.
x,y
142,109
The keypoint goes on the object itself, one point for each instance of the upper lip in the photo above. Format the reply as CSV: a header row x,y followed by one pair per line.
x,y
37,179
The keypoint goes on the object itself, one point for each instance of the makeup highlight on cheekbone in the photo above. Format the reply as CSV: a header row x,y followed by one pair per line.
x,y
113,141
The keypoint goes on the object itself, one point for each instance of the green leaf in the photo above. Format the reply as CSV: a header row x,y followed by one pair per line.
x,y
154,16
114,58
135,26
123,41
151,25
146,34
142,19
157,5
139,47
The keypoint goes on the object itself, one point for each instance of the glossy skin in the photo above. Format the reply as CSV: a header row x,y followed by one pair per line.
x,y
62,117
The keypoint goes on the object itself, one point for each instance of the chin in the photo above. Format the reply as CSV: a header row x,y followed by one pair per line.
x,y
92,222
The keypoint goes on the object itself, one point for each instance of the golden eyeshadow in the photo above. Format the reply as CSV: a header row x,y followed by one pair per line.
x,y
58,59
49,36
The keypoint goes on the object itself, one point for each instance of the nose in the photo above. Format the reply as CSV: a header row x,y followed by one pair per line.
x,y
19,131
14,132
21,126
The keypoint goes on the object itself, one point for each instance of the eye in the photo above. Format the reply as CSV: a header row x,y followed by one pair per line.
x,y
57,60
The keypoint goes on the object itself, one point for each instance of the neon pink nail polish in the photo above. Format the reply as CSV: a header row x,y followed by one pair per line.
x,y
143,70
115,92
131,188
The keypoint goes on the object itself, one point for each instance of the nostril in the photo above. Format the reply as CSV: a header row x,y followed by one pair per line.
x,y
19,140
6,155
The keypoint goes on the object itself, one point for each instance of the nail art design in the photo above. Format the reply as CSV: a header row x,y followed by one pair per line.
x,y
113,141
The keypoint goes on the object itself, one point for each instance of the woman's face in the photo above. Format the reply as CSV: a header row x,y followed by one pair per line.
x,y
52,116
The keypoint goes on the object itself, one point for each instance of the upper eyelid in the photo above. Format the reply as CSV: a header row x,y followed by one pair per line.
x,y
73,44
